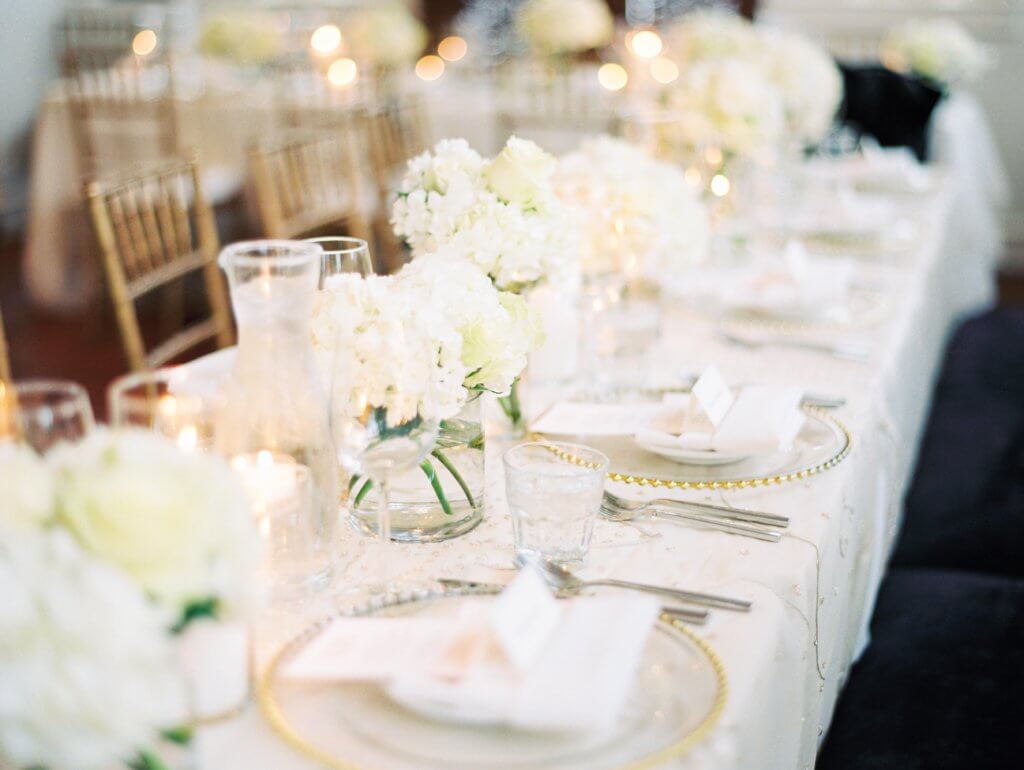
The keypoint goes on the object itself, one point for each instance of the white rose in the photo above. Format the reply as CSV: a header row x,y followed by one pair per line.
x,y
521,173
177,522
27,497
87,663
558,26
388,35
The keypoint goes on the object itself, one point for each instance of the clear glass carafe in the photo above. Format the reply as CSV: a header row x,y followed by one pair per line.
x,y
273,402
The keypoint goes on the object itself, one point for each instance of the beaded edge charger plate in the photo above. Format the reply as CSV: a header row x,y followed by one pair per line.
x,y
822,443
678,696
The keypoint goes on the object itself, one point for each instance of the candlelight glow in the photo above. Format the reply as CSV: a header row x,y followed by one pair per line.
x,y
645,43
720,185
452,48
144,42
342,72
612,76
325,39
664,70
430,67
713,156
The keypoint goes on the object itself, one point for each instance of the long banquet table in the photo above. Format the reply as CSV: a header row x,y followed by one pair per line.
x,y
812,594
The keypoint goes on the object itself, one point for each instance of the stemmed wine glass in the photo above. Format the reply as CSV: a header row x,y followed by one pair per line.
x,y
342,254
43,413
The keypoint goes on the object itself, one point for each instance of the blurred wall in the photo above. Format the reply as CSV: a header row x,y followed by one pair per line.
x,y
26,67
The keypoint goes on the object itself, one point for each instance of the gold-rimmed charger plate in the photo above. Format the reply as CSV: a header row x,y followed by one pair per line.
x,y
678,696
822,443
862,308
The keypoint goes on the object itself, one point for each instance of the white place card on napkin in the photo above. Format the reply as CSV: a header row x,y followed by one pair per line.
x,y
714,398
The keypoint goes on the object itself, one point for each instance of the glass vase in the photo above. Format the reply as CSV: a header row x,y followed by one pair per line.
x,y
272,402
441,498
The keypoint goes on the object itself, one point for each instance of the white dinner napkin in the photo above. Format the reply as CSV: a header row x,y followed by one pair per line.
x,y
527,660
761,419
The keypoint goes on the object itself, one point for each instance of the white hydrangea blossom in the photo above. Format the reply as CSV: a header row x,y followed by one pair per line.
x,y
501,214
380,347
809,81
177,522
386,34
938,49
27,499
498,329
565,26
730,103
633,211
712,34
87,664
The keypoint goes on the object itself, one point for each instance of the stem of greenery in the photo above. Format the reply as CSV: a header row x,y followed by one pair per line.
x,y
450,466
147,760
428,469
510,405
362,492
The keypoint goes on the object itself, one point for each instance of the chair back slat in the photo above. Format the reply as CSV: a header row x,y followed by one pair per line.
x,y
154,228
306,181
5,358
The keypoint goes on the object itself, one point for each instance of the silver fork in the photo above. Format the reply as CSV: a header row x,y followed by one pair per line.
x,y
710,522
721,511
847,351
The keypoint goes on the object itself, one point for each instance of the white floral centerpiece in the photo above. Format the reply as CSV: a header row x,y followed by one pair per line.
x,y
500,214
387,35
711,34
245,38
554,27
809,81
422,345
939,49
90,679
631,208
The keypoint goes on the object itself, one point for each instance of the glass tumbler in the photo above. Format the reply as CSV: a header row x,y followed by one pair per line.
x,y
342,255
554,493
43,413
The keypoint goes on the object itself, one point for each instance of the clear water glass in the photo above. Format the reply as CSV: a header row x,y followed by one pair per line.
x,y
168,401
44,413
341,255
554,494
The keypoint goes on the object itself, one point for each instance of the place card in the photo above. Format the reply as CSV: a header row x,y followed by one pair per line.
x,y
712,396
524,617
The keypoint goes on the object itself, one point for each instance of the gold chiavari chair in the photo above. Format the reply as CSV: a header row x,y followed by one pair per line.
x,y
5,358
98,37
123,115
154,228
394,132
307,181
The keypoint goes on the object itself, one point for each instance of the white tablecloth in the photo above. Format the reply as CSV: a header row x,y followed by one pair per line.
x,y
813,592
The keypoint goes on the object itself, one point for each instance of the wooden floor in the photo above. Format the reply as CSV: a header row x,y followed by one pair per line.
x,y
85,347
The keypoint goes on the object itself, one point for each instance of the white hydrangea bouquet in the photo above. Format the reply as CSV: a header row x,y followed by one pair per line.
x,y
419,346
745,89
500,214
939,49
559,27
109,549
386,35
636,214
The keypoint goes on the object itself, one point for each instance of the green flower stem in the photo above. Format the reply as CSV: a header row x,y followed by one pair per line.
x,y
510,405
362,492
428,469
450,466
353,481
147,760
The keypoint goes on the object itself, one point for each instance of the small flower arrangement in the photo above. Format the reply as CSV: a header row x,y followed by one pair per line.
x,y
500,214
109,549
631,207
565,26
245,38
387,34
940,50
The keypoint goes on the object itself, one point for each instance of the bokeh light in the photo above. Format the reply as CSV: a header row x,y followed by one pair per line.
x,y
430,67
325,39
645,43
452,48
720,185
612,76
144,42
342,73
664,70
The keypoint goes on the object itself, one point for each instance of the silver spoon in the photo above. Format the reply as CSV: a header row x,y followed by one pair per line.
x,y
563,579
723,511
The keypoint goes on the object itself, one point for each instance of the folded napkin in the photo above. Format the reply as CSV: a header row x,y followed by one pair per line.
x,y
525,660
761,419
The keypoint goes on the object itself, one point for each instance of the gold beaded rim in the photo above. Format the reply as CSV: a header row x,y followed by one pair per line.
x,y
279,722
762,481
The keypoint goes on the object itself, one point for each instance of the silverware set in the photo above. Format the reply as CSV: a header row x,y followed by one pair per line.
x,y
736,521
845,350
